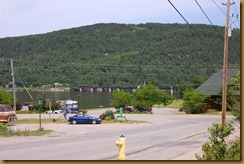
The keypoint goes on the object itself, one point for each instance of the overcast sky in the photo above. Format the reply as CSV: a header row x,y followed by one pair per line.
x,y
25,17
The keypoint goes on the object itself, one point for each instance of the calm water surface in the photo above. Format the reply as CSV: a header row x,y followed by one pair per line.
x,y
87,100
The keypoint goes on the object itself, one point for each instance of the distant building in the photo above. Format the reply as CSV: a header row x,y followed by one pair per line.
x,y
213,85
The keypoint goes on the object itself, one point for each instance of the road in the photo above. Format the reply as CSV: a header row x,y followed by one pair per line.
x,y
165,136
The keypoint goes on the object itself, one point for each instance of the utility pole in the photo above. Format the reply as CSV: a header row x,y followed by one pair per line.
x,y
13,83
225,62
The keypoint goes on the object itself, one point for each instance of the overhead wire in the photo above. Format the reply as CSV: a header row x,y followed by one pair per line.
x,y
202,11
182,17
225,14
221,2
209,20
237,14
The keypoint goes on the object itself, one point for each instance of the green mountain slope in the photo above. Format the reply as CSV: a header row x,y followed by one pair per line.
x,y
117,55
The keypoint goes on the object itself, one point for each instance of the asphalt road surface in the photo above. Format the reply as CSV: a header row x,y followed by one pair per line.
x,y
167,135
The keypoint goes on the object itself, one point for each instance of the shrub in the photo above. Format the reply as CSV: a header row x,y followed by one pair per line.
x,y
5,97
108,115
121,99
194,102
234,152
3,128
149,95
102,116
107,118
217,148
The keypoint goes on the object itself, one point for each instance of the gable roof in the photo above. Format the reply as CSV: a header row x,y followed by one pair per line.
x,y
214,84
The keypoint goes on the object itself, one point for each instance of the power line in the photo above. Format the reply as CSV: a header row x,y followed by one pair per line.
x,y
202,11
187,21
221,2
224,13
237,14
208,18
183,17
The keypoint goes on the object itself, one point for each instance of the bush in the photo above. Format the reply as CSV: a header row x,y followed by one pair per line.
x,y
108,115
121,99
194,102
107,118
102,116
234,152
3,128
149,95
5,97
217,148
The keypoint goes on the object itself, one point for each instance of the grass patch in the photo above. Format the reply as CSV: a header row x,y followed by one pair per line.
x,y
26,112
216,112
122,121
26,133
175,104
36,121
8,132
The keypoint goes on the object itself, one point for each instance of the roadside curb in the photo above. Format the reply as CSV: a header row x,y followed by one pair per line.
x,y
191,155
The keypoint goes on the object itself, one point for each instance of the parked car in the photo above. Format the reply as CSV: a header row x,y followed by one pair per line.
x,y
68,110
57,111
49,111
25,108
127,109
7,113
145,110
84,119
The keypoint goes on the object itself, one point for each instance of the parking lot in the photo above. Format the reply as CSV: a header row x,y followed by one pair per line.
x,y
69,129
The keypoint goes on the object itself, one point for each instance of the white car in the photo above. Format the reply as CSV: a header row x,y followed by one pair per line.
x,y
24,108
49,111
57,111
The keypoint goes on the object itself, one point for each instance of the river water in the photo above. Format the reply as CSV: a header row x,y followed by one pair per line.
x,y
87,100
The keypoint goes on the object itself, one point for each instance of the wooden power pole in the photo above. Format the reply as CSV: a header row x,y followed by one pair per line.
x,y
225,62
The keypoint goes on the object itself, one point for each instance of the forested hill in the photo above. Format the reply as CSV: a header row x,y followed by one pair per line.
x,y
117,55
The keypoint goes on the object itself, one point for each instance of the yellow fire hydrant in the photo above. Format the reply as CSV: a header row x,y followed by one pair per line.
x,y
121,145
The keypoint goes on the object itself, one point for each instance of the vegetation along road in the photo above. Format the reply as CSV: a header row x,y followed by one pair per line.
x,y
167,135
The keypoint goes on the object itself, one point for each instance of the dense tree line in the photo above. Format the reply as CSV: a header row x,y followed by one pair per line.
x,y
117,55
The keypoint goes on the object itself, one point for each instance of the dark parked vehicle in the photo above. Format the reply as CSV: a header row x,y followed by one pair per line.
x,y
127,109
69,110
84,119
145,110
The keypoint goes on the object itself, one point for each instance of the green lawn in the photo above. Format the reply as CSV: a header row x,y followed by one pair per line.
x,y
38,132
36,121
215,112
175,104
